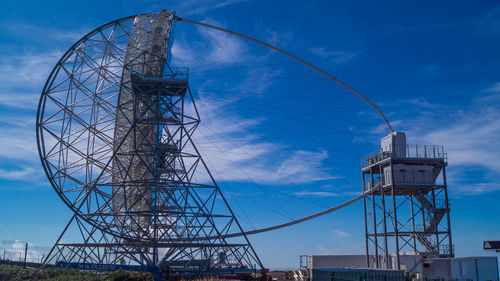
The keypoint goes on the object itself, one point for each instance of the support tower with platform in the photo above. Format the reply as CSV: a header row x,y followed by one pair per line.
x,y
409,211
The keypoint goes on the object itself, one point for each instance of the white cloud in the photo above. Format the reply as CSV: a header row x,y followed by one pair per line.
x,y
182,53
207,48
337,57
494,88
22,173
471,138
35,32
325,193
251,159
22,77
340,234
28,69
201,7
18,143
15,250
469,135
20,100
214,56
475,188
273,37
236,154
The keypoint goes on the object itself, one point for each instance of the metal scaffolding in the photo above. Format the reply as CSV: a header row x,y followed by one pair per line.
x,y
115,133
409,210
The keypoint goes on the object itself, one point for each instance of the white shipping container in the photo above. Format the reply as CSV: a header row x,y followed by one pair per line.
x,y
462,269
395,143
475,268
336,261
343,261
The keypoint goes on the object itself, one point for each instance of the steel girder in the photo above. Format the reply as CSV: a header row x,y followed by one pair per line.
x,y
115,134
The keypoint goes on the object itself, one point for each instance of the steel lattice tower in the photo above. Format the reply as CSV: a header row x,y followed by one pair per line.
x,y
409,211
115,132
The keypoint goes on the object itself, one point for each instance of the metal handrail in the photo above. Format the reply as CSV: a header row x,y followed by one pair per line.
x,y
410,151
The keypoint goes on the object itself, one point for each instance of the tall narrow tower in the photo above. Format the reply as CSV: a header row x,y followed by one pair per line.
x,y
409,210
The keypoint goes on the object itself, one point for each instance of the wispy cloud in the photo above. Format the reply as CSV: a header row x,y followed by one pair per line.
x,y
337,233
22,77
19,100
215,56
18,140
333,56
494,88
271,36
473,188
28,69
489,21
50,34
201,7
224,48
236,154
325,193
15,250
470,137
209,48
24,173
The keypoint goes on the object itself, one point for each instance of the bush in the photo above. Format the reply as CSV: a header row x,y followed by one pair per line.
x,y
17,273
122,275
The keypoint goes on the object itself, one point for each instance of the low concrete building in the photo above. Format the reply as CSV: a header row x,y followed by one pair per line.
x,y
345,267
413,265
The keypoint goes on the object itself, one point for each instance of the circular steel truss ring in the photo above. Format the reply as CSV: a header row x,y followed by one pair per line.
x,y
73,127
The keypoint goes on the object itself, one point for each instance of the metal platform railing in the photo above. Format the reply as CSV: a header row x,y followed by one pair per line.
x,y
423,151
409,151
168,73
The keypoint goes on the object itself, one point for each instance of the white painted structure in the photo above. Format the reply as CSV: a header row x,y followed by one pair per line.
x,y
395,143
410,175
458,269
336,261
461,269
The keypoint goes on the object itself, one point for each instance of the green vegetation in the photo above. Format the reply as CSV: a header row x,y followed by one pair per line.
x,y
15,273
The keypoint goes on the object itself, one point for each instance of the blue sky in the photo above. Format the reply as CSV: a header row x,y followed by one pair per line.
x,y
281,140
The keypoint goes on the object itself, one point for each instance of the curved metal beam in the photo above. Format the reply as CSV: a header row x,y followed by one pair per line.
x,y
297,59
290,223
297,221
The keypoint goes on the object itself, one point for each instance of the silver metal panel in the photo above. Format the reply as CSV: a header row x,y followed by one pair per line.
x,y
395,143
409,174
409,262
146,55
474,268
357,274
338,261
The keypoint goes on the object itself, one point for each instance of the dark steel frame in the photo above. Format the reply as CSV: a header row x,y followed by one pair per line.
x,y
188,221
405,217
